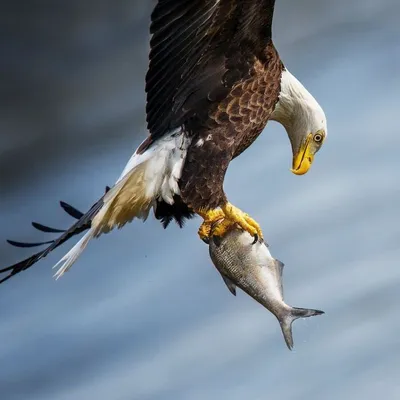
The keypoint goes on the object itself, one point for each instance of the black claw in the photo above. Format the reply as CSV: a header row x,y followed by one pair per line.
x,y
206,240
255,239
217,240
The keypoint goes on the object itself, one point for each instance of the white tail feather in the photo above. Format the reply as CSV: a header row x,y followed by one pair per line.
x,y
147,177
68,260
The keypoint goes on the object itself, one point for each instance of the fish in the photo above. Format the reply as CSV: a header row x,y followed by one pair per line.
x,y
251,267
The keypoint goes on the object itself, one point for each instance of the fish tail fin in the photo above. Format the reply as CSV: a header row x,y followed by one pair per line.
x,y
291,315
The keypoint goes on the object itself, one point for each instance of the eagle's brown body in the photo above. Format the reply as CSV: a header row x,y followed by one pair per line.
x,y
215,72
232,126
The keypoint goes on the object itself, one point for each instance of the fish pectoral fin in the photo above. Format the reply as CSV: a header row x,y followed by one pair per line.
x,y
231,286
280,266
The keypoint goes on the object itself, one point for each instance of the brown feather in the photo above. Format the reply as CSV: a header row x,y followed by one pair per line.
x,y
234,124
214,72
200,49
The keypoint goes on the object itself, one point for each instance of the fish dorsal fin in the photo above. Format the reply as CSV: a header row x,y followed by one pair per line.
x,y
280,266
231,286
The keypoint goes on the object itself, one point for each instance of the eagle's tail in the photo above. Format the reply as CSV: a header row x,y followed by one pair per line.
x,y
149,175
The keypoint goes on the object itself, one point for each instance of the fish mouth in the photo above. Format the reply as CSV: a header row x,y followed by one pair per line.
x,y
304,157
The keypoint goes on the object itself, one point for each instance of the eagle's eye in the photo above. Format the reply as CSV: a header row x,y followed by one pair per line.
x,y
318,138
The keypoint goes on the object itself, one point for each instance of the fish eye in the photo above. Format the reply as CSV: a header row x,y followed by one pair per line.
x,y
318,138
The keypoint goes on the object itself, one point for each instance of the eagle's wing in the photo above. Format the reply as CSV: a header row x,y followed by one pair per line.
x,y
80,226
199,51
83,224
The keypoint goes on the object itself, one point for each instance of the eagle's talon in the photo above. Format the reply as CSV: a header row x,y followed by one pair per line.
x,y
217,240
211,218
205,239
222,228
244,221
218,222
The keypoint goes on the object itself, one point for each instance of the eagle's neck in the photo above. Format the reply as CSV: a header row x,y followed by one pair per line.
x,y
296,110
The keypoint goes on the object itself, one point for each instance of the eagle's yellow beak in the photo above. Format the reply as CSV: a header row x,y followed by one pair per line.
x,y
303,159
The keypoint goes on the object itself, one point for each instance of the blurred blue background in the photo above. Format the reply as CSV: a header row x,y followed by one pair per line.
x,y
143,314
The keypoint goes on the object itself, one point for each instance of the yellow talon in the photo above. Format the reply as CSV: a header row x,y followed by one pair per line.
x,y
210,218
218,222
234,215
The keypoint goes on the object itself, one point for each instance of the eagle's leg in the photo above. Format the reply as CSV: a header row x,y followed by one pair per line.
x,y
236,217
218,222
201,183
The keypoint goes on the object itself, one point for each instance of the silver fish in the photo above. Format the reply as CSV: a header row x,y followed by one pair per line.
x,y
252,268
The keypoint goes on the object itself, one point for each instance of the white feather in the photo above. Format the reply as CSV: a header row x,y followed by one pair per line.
x,y
297,110
147,177
68,260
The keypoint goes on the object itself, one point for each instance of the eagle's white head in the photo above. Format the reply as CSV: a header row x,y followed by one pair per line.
x,y
303,119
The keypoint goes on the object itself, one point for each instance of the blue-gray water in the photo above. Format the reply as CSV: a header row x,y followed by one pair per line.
x,y
143,314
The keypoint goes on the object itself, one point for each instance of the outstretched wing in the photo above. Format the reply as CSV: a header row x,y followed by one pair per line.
x,y
70,210
199,50
83,224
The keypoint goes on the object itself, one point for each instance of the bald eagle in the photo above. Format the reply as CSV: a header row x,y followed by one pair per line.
x,y
214,81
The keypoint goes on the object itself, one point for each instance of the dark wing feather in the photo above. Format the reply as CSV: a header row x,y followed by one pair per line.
x,y
79,227
83,224
199,50
27,245
47,229
72,211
